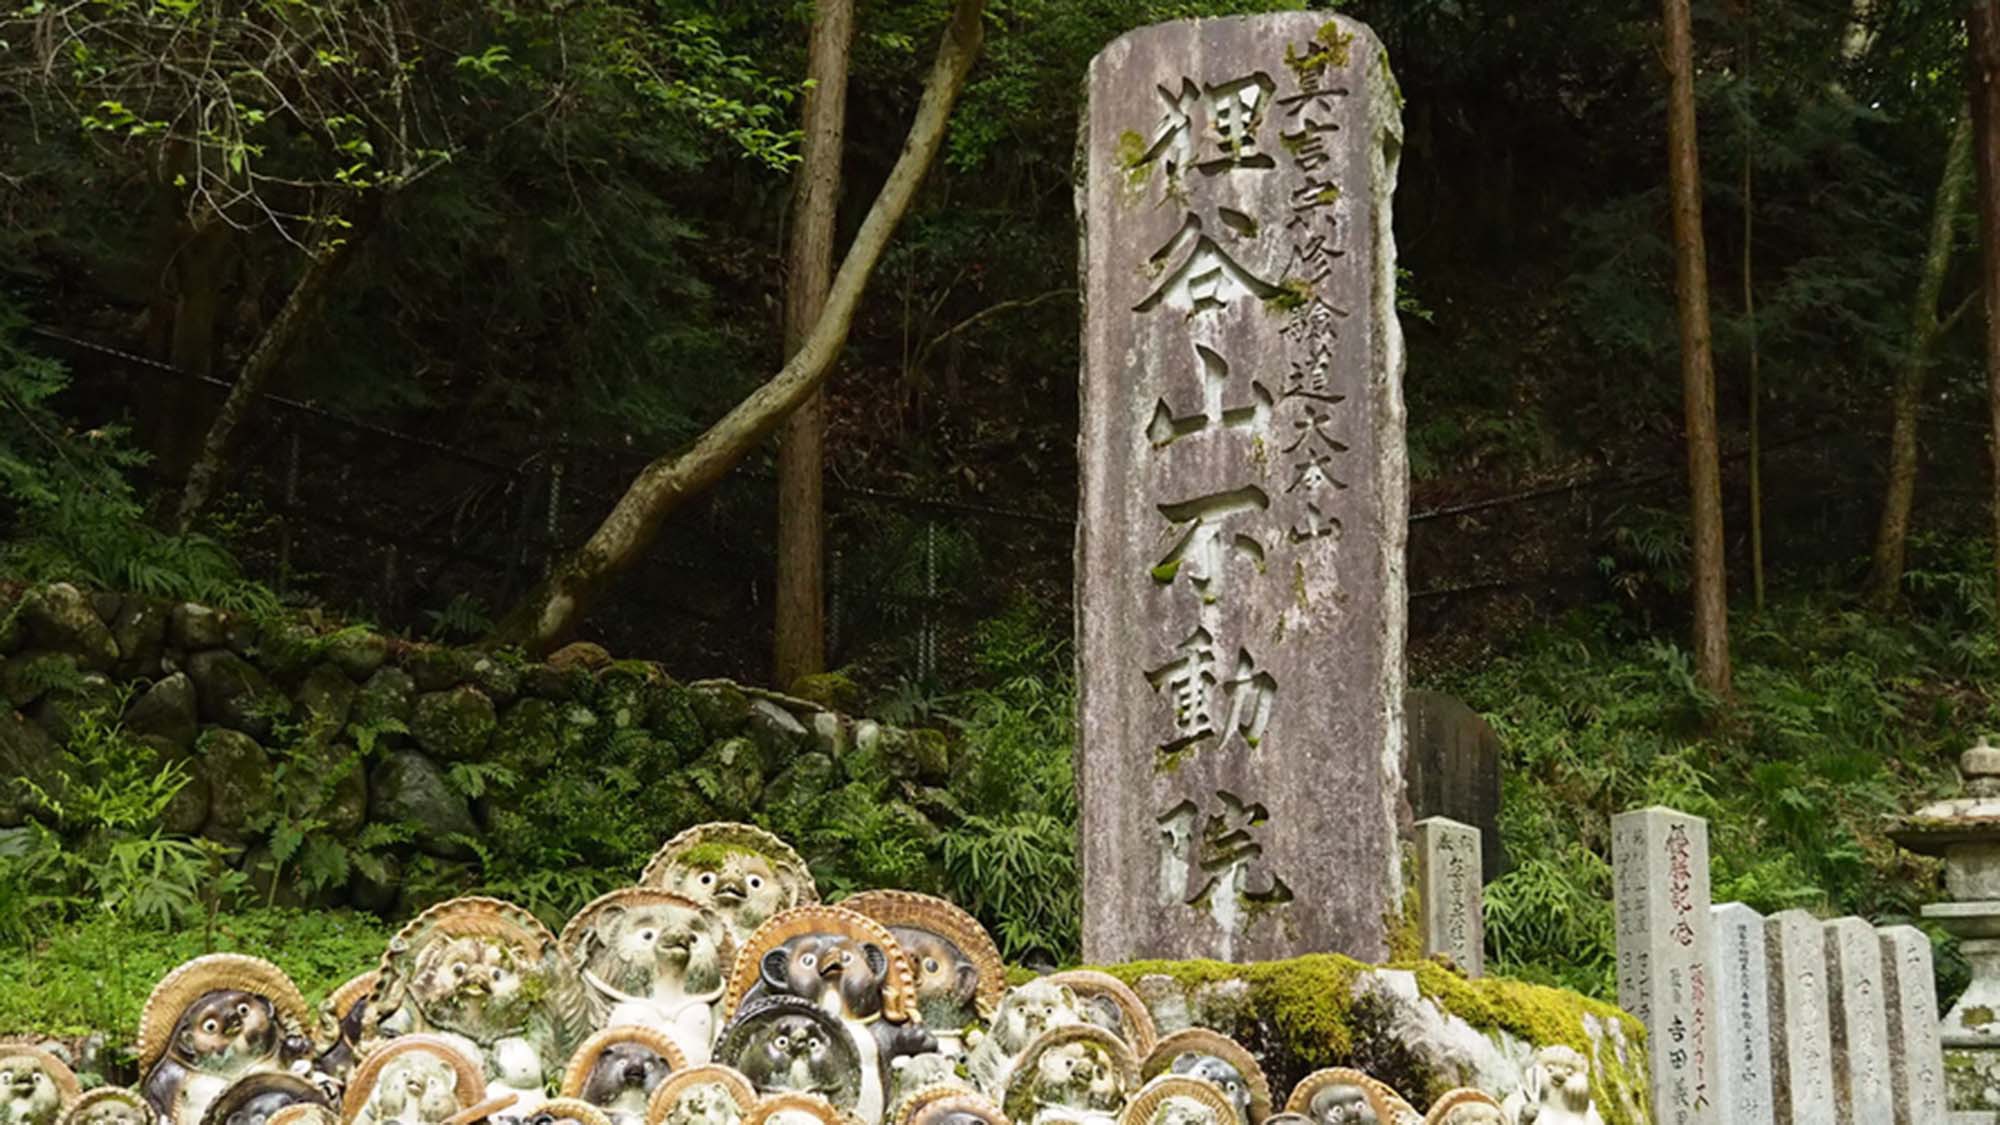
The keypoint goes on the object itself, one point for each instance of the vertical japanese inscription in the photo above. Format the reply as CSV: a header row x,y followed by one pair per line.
x,y
1240,537
1665,954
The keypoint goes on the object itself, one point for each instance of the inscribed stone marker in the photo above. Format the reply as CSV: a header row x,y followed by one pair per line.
x,y
1240,592
1916,1057
1802,1049
1660,870
1451,767
1449,892
1742,1015
1860,1023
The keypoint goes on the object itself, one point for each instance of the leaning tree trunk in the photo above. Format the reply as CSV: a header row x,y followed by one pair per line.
x,y
1983,28
799,635
1892,534
552,609
1711,604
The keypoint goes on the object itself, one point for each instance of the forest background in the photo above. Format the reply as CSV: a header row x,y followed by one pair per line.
x,y
486,260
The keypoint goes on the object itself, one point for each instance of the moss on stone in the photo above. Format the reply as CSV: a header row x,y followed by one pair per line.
x,y
711,855
1328,49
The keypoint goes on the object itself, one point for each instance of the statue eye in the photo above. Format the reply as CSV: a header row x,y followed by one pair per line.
x,y
497,974
756,882
243,1010
647,936
458,970
930,964
783,1042
707,879
847,956
808,959
210,1025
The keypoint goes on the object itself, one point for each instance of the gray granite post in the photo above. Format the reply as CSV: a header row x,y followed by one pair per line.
x,y
1665,949
1450,893
1742,1015
1240,590
1860,1023
1801,1046
1916,1056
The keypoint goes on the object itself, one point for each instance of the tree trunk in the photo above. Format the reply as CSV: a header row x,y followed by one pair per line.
x,y
1711,603
1885,576
553,608
255,374
1755,390
1983,28
799,639
198,271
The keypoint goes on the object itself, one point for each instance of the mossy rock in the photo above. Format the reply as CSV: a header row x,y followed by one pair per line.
x,y
27,754
387,698
326,698
359,653
166,710
234,694
830,690
675,720
188,811
498,675
566,684
731,776
60,617
287,650
239,782
800,785
409,788
627,694
93,694
722,707
455,725
529,735
435,668
140,632
26,676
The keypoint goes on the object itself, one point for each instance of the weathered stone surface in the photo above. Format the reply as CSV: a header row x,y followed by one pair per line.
x,y
454,725
805,780
776,730
1451,909
195,627
140,632
407,787
326,698
188,811
722,707
1742,1015
26,755
738,767
545,681
106,604
26,676
385,698
1451,767
370,889
1860,1024
167,709
1916,1056
1659,860
529,734
580,654
61,618
435,668
233,693
91,695
1240,590
1801,1038
499,679
358,652
239,782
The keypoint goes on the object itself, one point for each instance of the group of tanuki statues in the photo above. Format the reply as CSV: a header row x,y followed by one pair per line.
x,y
715,992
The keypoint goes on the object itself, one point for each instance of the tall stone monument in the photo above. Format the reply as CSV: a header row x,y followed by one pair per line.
x,y
1240,594
1659,860
1743,1015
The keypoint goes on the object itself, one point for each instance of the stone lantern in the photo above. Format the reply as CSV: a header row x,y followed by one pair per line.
x,y
1966,832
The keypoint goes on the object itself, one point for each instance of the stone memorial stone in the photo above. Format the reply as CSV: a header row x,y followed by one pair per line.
x,y
1801,1044
1449,892
1660,875
1742,1015
1860,1023
1916,1056
1451,767
1240,584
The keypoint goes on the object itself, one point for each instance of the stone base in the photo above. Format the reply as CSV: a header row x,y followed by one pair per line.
x,y
1972,1083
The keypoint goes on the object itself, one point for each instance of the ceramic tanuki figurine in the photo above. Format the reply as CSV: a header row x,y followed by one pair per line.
x,y
946,1105
1111,1004
618,1069
35,1086
414,1080
702,1095
960,977
1555,1091
742,873
1466,1107
107,1105
568,1111
211,1022
255,1098
653,958
1075,1073
795,1109
485,974
342,1018
1175,1099
1028,1011
849,967
1200,1053
786,1044
1343,1096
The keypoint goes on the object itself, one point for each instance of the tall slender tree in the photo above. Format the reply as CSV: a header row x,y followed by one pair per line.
x,y
799,638
1711,601
1983,32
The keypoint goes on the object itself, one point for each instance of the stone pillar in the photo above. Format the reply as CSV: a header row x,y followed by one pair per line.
x,y
1801,1047
1240,590
1451,906
1916,1057
1860,1023
1665,949
1742,1015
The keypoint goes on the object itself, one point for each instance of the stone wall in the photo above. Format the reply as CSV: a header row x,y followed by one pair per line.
x,y
251,707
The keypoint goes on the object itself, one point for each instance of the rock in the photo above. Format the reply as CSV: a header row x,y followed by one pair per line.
x,y
188,811
60,617
545,681
373,889
738,768
326,699
867,759
529,735
436,668
27,676
932,753
27,754
776,730
830,733
106,605
627,693
93,695
799,785
344,809
385,699
140,632
581,654
455,725
830,690
284,650
408,788
166,711
192,628
722,707
673,718
13,633
234,693
263,872
358,652
239,781
499,679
